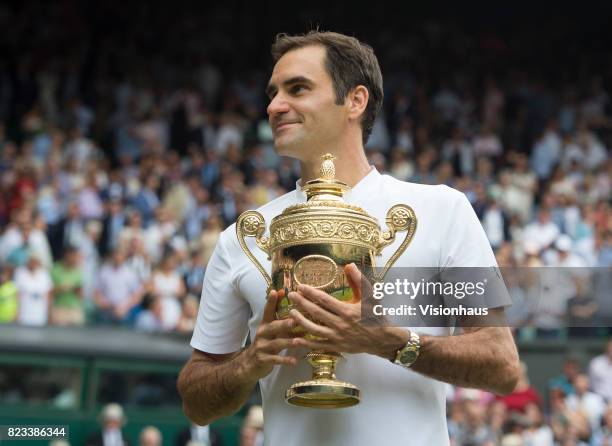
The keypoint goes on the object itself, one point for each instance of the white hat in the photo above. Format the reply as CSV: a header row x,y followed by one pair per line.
x,y
255,417
564,243
113,411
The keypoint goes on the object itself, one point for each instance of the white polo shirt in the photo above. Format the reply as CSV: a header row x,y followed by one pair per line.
x,y
398,406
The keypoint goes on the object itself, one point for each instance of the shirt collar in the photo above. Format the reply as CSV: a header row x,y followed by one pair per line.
x,y
365,184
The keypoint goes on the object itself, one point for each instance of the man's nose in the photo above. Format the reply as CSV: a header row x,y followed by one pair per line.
x,y
277,105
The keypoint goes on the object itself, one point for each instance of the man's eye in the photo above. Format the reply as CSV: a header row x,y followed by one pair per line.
x,y
297,89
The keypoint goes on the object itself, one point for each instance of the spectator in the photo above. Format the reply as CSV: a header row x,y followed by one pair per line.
x,y
112,225
537,432
546,151
147,199
600,373
200,211
567,425
189,315
91,260
67,275
603,435
150,436
133,230
523,395
34,285
475,430
89,200
590,403
159,233
22,237
138,259
542,232
209,237
150,318
68,231
251,433
112,420
118,289
168,285
496,224
565,381
487,143
196,435
9,296
194,275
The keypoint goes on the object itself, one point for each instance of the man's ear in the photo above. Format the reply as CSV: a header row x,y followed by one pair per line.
x,y
357,102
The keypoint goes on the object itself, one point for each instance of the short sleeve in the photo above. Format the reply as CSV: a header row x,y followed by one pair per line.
x,y
222,323
465,242
467,256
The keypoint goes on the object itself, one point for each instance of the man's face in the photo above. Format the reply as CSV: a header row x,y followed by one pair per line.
x,y
117,258
305,119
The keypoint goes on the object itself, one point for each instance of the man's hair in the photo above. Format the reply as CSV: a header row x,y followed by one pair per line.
x,y
349,63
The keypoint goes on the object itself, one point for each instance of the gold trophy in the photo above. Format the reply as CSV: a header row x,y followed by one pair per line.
x,y
310,243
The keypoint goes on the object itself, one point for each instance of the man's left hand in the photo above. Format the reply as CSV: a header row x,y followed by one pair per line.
x,y
339,324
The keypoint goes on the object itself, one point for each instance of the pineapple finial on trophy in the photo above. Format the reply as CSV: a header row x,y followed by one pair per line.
x,y
328,170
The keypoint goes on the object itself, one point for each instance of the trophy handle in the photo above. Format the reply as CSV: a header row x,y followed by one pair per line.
x,y
252,224
400,218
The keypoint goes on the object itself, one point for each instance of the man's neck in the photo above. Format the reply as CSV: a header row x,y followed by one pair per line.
x,y
351,166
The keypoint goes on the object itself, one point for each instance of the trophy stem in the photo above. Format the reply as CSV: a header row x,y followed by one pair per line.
x,y
323,364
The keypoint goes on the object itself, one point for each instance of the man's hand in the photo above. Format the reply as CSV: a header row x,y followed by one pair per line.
x,y
271,338
339,323
484,357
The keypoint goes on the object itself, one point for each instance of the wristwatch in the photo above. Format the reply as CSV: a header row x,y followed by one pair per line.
x,y
407,355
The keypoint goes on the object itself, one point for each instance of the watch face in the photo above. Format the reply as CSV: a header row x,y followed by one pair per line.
x,y
407,357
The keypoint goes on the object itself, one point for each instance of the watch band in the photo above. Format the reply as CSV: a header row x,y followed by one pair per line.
x,y
407,355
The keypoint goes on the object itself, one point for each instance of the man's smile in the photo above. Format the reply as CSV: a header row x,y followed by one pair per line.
x,y
283,124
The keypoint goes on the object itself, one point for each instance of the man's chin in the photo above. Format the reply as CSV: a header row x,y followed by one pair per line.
x,y
284,147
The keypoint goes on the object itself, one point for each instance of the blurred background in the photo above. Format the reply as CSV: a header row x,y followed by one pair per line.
x,y
132,134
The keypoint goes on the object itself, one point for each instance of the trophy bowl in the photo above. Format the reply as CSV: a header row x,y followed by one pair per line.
x,y
310,243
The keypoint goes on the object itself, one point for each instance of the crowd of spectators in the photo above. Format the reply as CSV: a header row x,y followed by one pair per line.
x,y
114,184
576,411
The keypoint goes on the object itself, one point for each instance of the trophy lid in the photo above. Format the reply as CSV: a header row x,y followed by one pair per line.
x,y
325,192
326,187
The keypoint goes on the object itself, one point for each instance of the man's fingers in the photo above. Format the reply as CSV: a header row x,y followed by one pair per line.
x,y
278,329
276,346
310,326
321,298
313,310
359,283
354,278
269,313
268,358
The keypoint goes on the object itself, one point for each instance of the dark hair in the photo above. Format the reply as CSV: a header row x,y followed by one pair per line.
x,y
348,61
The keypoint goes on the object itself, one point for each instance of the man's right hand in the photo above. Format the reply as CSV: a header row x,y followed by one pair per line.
x,y
272,337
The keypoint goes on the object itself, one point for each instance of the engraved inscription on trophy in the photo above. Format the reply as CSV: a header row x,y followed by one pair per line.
x,y
315,270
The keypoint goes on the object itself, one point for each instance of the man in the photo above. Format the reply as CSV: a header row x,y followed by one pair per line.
x,y
150,436
592,404
35,287
67,275
112,419
600,372
325,92
118,289
68,231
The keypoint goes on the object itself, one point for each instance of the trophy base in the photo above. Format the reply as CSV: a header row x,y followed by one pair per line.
x,y
322,394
